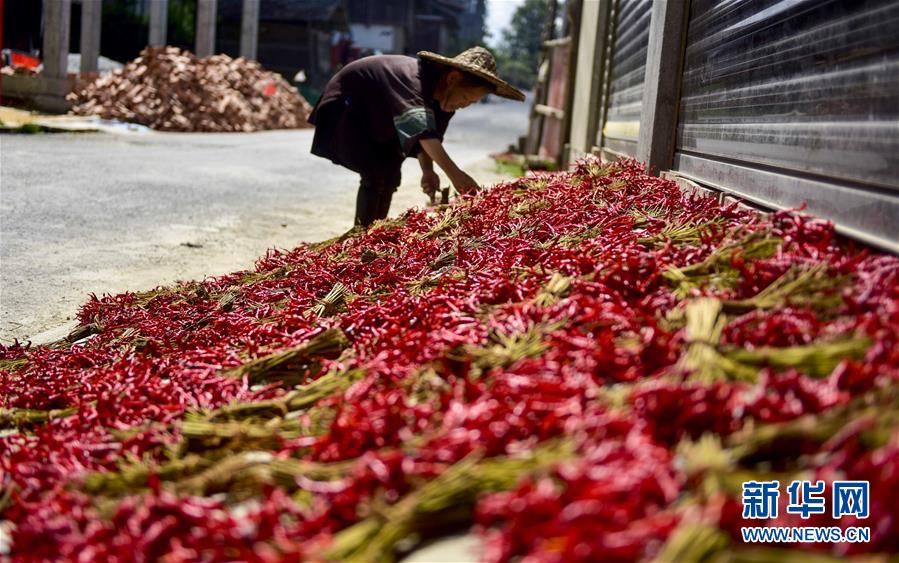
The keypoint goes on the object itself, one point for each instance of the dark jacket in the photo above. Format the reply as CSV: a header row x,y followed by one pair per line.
x,y
373,113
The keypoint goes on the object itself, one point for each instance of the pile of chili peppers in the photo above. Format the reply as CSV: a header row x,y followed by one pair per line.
x,y
580,366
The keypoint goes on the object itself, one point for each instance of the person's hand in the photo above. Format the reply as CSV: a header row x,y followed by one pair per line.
x,y
430,183
464,184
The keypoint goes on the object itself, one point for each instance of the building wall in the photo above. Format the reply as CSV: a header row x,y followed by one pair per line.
x,y
378,37
785,104
284,48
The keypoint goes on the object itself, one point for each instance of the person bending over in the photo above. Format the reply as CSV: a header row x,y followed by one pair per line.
x,y
377,111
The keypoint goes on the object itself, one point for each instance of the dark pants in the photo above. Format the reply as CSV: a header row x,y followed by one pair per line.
x,y
375,193
341,135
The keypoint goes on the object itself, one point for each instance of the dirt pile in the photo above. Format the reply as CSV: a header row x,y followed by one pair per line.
x,y
168,89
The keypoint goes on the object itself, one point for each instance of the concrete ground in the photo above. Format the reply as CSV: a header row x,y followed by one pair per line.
x,y
106,213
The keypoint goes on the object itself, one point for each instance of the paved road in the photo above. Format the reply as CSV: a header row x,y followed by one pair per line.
x,y
107,213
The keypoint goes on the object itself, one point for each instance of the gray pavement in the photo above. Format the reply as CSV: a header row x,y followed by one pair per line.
x,y
104,213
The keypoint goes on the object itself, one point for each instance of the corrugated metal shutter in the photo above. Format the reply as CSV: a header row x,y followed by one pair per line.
x,y
628,67
801,98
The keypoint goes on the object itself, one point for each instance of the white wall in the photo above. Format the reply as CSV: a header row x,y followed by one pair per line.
x,y
385,38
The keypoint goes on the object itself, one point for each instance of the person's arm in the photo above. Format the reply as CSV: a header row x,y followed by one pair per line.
x,y
430,182
425,161
463,183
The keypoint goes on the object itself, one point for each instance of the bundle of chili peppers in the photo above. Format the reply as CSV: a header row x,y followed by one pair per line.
x,y
580,365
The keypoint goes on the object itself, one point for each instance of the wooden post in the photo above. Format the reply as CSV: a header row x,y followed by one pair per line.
x,y
311,60
541,88
408,30
159,18
573,29
55,54
590,64
249,29
661,91
91,19
206,12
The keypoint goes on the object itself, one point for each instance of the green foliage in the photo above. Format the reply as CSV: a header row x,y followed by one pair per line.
x,y
182,23
512,169
520,46
29,129
517,72
125,31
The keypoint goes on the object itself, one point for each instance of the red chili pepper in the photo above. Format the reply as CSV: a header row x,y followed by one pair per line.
x,y
433,297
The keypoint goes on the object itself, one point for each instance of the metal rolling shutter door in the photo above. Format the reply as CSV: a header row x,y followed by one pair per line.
x,y
628,66
793,101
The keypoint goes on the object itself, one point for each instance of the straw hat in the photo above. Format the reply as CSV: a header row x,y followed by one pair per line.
x,y
479,62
